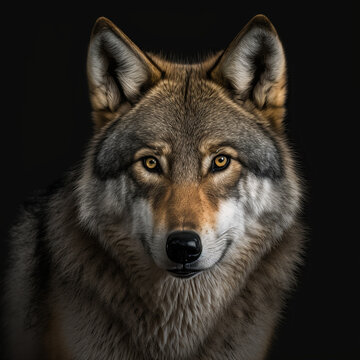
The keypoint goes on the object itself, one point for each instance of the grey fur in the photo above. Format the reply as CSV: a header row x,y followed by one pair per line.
x,y
88,275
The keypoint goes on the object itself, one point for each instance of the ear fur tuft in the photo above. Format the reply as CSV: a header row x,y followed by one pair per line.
x,y
117,71
254,67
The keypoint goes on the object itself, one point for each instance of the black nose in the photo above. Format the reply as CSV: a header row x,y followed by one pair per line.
x,y
183,247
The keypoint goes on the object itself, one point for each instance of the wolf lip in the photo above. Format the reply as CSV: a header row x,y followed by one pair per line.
x,y
184,273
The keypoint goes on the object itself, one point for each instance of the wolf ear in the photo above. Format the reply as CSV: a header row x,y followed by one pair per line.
x,y
118,72
254,67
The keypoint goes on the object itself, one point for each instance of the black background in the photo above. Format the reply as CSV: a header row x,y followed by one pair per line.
x,y
45,125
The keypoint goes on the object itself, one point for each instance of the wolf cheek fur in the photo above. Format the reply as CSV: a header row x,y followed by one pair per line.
x,y
147,208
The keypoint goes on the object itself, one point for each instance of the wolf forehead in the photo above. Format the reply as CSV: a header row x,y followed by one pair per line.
x,y
186,111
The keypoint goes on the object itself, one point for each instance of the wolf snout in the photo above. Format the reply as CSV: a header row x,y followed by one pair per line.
x,y
183,247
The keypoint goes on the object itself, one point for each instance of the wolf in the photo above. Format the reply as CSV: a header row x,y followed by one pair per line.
x,y
179,235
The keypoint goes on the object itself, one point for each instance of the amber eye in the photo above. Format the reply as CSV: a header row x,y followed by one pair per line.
x,y
220,162
151,164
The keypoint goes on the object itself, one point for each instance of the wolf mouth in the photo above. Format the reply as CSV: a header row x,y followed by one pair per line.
x,y
184,273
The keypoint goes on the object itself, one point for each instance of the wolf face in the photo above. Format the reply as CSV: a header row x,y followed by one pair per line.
x,y
178,236
188,161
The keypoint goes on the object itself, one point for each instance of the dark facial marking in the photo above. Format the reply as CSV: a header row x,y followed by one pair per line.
x,y
114,152
258,152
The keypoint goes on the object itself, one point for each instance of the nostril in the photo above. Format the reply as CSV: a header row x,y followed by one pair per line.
x,y
183,247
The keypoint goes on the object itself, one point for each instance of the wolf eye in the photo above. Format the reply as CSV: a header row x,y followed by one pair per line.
x,y
151,164
220,162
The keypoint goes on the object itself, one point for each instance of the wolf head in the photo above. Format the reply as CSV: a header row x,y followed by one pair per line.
x,y
188,165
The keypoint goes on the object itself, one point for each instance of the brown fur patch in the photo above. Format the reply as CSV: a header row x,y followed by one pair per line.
x,y
185,206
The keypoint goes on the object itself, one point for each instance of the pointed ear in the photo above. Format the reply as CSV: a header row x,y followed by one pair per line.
x,y
118,72
254,67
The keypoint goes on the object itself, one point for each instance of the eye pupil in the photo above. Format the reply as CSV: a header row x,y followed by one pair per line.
x,y
151,162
